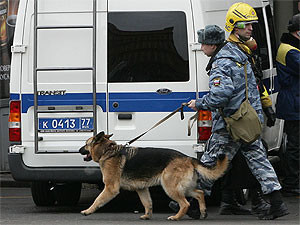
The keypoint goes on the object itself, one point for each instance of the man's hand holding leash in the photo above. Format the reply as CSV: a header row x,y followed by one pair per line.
x,y
192,104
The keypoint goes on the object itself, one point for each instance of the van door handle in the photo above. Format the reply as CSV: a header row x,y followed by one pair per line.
x,y
125,116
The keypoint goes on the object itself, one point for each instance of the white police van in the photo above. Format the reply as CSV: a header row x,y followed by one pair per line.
x,y
84,66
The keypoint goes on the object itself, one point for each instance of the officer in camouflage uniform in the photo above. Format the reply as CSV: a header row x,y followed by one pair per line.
x,y
227,91
238,16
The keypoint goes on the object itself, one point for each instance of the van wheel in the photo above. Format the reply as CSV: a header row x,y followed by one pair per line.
x,y
42,194
67,194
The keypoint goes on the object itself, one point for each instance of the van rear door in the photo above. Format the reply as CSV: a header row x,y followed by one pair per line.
x,y
64,84
150,71
264,34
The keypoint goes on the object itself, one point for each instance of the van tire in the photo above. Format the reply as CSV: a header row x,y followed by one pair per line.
x,y
42,194
67,194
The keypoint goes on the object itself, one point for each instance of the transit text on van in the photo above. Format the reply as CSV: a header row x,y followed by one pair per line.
x,y
55,92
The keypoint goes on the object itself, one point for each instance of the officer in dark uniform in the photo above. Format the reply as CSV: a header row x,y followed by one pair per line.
x,y
287,105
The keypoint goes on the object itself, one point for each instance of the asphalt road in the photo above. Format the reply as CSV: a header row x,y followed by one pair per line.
x,y
17,208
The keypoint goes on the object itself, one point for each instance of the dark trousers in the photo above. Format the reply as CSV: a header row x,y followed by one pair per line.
x,y
239,175
291,156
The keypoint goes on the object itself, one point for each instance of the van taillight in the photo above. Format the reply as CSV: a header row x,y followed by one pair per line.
x,y
204,125
14,121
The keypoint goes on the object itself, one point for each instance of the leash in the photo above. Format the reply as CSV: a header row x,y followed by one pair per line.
x,y
164,119
194,119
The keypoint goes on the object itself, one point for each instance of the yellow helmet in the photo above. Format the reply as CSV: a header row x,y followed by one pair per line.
x,y
239,12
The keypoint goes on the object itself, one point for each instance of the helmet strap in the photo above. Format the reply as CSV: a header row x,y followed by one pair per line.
x,y
242,39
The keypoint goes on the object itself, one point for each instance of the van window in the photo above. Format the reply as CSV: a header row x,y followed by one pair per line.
x,y
259,34
147,47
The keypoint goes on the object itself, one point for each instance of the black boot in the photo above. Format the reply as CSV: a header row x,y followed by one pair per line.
x,y
229,205
259,206
193,211
277,209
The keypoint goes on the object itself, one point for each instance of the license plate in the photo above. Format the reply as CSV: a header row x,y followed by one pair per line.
x,y
52,125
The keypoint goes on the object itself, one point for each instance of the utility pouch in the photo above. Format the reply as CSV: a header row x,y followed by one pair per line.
x,y
244,125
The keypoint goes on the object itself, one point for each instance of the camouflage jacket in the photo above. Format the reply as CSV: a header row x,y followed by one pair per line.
x,y
227,85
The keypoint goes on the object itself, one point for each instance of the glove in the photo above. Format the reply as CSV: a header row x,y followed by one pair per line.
x,y
271,116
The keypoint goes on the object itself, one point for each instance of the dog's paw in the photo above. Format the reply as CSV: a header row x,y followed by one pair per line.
x,y
85,213
145,217
173,218
203,215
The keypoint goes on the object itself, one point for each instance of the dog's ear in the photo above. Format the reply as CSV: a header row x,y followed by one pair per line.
x,y
108,136
98,136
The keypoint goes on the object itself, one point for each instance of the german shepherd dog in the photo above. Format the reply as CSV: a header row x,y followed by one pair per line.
x,y
137,169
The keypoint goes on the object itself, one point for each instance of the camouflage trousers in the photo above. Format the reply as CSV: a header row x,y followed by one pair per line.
x,y
255,155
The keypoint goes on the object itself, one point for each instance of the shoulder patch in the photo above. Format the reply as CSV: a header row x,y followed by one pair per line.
x,y
216,82
214,65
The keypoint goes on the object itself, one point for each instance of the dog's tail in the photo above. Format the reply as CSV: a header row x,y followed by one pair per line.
x,y
213,172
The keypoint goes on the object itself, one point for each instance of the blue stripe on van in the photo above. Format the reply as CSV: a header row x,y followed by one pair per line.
x,y
148,101
67,99
127,102
14,96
